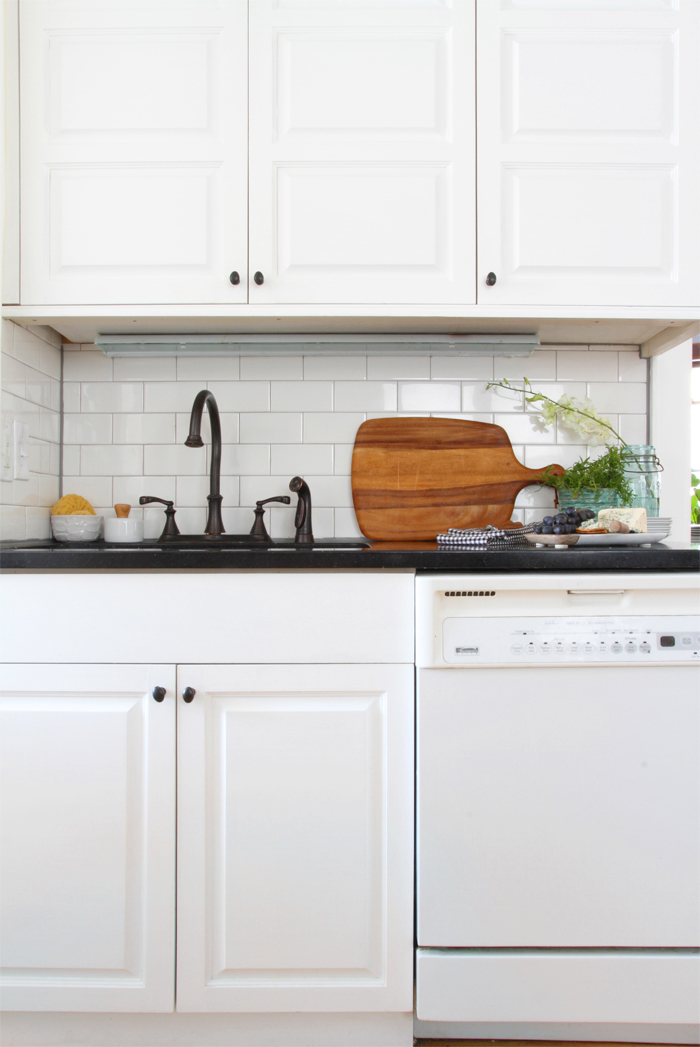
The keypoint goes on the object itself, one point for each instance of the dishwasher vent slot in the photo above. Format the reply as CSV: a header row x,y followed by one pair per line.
x,y
475,592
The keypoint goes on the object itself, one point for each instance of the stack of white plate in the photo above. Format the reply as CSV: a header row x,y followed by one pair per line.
x,y
659,523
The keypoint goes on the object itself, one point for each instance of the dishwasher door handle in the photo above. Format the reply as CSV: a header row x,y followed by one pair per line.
x,y
596,592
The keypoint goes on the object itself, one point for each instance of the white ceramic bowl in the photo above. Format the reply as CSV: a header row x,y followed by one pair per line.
x,y
76,528
123,530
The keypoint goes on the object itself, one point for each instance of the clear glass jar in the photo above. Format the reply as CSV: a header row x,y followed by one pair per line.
x,y
603,498
642,469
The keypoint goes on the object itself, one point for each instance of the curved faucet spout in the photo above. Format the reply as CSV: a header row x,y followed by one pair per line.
x,y
215,524
302,521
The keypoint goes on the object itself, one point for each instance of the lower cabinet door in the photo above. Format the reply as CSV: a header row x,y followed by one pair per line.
x,y
295,838
87,822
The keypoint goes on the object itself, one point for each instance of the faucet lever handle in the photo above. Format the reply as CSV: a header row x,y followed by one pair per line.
x,y
258,529
171,529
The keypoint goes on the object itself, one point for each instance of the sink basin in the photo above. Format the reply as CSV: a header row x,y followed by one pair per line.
x,y
247,541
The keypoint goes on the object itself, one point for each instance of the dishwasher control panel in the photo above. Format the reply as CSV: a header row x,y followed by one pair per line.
x,y
528,641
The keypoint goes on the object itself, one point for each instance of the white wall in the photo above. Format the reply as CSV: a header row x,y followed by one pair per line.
x,y
126,421
30,372
669,424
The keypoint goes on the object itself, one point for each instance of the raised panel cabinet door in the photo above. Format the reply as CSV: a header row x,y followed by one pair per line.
x,y
87,838
362,162
295,838
134,124
588,123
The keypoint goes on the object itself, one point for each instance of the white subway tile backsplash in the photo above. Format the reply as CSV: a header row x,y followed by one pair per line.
x,y
208,368
578,366
429,396
350,368
87,367
145,368
241,396
270,428
130,489
143,429
388,367
301,459
463,368
97,489
175,459
342,459
301,396
365,396
541,366
115,397
271,367
112,460
621,397
126,421
38,523
633,428
170,396
89,428
331,428
632,368
245,459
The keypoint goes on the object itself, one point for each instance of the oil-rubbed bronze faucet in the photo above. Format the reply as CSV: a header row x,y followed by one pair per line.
x,y
302,520
215,524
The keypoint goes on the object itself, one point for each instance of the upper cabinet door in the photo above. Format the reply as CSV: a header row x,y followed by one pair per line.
x,y
134,151
87,822
362,151
588,152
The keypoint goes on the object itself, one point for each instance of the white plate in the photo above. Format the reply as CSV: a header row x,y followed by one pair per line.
x,y
650,538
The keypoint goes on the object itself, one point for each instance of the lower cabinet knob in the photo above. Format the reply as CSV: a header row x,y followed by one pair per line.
x,y
188,694
234,277
259,278
491,279
159,693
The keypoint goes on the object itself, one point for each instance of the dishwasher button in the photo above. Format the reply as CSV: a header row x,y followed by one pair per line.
x,y
574,648
603,647
588,648
516,648
545,648
687,641
630,647
616,647
531,648
560,647
644,647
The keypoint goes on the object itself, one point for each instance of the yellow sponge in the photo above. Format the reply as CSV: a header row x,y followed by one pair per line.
x,y
72,505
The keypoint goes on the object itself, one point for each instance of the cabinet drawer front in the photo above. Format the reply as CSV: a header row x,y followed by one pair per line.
x,y
295,839
88,837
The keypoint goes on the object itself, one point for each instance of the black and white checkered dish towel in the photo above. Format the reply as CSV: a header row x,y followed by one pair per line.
x,y
488,537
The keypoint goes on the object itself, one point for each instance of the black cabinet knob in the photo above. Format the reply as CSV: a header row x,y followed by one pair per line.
x,y
259,278
159,693
234,277
188,694
491,279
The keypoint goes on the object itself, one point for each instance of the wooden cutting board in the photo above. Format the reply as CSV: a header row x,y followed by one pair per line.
x,y
412,478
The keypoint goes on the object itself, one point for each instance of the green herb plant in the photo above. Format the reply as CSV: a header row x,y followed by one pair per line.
x,y
694,499
608,471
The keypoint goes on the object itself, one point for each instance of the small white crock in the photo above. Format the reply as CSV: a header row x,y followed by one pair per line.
x,y
76,528
123,530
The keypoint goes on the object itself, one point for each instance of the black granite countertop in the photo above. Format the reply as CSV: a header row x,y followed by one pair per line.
x,y
331,554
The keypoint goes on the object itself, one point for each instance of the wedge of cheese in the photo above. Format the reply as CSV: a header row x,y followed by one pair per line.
x,y
636,519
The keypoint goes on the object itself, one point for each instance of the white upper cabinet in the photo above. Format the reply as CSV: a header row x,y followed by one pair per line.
x,y
362,151
588,152
325,152
87,825
134,121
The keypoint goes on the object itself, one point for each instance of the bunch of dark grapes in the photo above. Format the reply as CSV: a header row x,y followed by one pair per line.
x,y
564,522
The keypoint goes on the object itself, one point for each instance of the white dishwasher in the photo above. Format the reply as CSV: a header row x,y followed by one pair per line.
x,y
558,801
